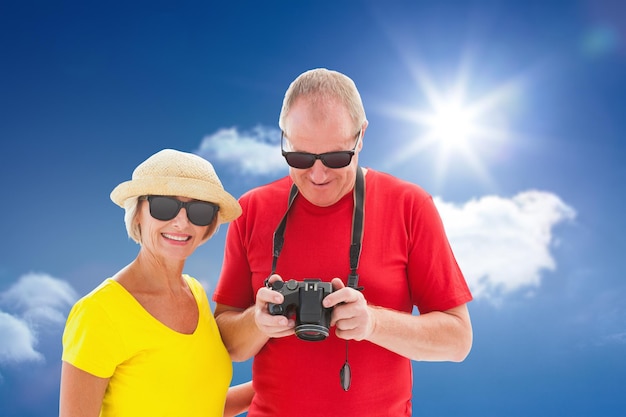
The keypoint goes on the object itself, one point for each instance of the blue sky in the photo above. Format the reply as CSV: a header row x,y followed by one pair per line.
x,y
530,194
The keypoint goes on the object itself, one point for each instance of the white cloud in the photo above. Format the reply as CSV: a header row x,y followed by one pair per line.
x,y
17,341
253,152
35,299
501,244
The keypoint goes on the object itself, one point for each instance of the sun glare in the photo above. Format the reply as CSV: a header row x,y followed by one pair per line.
x,y
457,129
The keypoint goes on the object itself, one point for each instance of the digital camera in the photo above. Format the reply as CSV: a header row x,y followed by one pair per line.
x,y
305,299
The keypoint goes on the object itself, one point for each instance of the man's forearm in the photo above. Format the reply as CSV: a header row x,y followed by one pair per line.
x,y
436,336
240,333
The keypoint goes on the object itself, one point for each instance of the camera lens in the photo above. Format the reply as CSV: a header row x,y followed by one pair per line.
x,y
311,332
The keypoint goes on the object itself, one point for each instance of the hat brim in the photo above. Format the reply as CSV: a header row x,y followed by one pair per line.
x,y
182,187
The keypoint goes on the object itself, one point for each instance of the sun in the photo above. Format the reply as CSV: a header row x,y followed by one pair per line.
x,y
458,129
452,126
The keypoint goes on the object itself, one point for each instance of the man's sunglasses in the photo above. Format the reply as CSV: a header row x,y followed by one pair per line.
x,y
304,160
200,213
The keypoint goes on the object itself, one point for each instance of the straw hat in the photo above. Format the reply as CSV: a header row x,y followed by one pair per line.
x,y
175,173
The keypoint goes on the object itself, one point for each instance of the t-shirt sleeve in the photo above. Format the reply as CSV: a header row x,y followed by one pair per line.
x,y
90,340
234,285
438,283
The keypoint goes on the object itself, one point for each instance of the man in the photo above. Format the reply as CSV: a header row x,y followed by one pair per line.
x,y
398,259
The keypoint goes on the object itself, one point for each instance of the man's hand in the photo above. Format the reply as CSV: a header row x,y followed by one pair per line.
x,y
351,316
271,326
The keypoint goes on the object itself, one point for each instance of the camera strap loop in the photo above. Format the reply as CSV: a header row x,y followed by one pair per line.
x,y
357,229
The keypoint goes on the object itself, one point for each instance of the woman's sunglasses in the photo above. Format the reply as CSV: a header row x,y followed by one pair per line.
x,y
304,160
200,213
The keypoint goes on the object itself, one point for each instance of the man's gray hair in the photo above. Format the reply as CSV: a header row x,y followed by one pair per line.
x,y
323,84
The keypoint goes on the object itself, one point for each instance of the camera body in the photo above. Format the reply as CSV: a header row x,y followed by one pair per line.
x,y
305,299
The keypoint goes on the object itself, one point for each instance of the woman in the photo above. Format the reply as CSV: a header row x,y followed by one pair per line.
x,y
144,342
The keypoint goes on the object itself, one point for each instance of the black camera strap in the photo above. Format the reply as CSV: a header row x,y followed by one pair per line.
x,y
357,229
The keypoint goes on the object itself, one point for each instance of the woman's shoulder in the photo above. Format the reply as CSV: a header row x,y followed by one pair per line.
x,y
108,297
193,283
106,289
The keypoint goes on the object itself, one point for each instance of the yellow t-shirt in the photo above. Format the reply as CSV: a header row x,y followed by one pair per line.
x,y
153,370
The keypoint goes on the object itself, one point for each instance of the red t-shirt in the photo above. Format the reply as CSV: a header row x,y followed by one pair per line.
x,y
406,261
